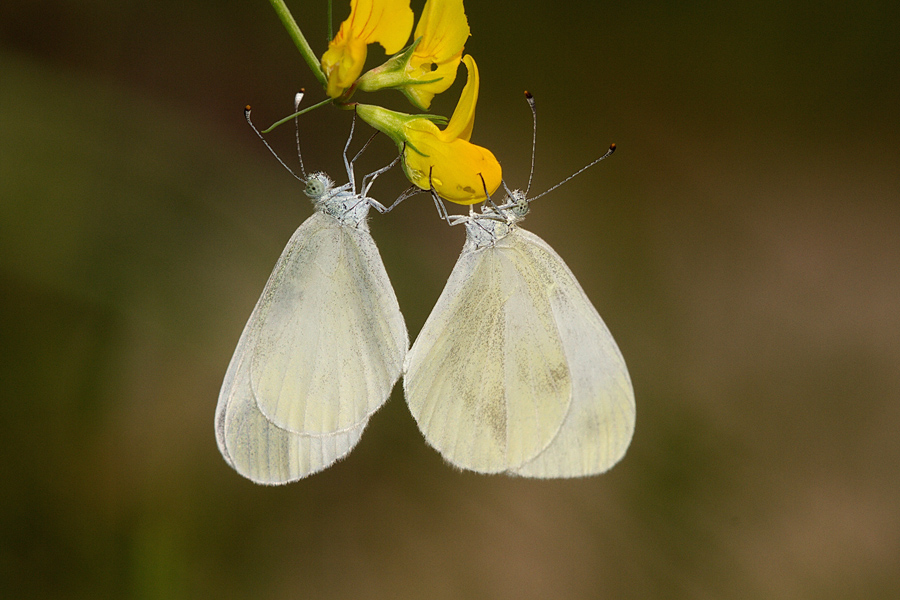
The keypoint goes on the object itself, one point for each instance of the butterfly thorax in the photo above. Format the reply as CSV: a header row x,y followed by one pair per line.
x,y
495,223
486,230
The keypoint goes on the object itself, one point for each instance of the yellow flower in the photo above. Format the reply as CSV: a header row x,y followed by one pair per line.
x,y
387,22
444,30
458,169
429,66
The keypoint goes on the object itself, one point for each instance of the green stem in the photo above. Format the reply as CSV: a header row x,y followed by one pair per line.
x,y
302,45
330,32
296,114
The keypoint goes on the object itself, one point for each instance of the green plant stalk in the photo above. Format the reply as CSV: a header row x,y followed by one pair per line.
x,y
302,45
296,114
330,31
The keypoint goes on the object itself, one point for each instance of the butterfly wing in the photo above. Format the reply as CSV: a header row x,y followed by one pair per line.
x,y
600,421
261,451
487,379
329,339
320,353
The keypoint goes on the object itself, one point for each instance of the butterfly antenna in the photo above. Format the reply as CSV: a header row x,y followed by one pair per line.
x,y
612,148
297,99
530,100
260,136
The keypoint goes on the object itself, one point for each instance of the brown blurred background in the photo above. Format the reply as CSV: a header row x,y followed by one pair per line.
x,y
743,245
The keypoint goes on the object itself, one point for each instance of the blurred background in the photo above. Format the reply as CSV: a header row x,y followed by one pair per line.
x,y
743,246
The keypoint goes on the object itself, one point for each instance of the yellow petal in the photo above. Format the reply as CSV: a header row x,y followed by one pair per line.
x,y
463,120
387,22
342,65
421,94
444,30
454,167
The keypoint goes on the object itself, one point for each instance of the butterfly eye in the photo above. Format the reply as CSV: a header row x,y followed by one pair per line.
x,y
315,187
520,204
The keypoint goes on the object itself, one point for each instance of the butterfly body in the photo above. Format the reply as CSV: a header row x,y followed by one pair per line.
x,y
514,371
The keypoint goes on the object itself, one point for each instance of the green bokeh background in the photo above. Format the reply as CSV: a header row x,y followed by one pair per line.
x,y
743,245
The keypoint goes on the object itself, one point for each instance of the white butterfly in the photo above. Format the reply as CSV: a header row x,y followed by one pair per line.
x,y
322,348
514,371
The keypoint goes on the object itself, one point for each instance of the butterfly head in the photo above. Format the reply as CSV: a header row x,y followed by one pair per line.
x,y
516,206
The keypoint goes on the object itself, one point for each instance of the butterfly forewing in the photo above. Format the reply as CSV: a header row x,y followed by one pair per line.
x,y
487,379
330,339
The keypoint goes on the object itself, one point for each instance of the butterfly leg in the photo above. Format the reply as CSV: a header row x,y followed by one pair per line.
x,y
369,179
438,202
457,219
367,182
487,197
408,193
348,164
358,154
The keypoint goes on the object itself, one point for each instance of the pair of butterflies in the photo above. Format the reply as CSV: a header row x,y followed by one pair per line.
x,y
513,372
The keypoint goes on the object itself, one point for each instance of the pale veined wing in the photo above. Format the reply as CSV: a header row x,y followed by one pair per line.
x,y
487,379
329,339
599,423
260,450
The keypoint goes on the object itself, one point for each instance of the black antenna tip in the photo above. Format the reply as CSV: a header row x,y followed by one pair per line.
x,y
612,147
530,98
